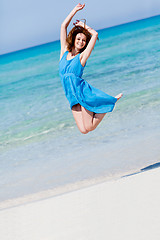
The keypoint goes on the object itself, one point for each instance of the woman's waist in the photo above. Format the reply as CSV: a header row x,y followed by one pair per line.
x,y
71,74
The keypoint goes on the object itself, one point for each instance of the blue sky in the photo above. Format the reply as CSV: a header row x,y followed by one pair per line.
x,y
27,23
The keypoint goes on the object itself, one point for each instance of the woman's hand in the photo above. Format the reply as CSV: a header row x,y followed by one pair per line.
x,y
89,29
79,23
79,7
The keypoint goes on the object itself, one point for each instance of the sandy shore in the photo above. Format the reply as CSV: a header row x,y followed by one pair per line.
x,y
128,208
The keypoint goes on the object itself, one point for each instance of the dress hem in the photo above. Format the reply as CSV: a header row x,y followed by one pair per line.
x,y
91,109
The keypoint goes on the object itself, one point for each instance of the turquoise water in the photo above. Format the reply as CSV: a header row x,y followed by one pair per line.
x,y
41,147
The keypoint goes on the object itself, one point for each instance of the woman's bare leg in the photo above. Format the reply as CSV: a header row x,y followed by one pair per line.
x,y
77,114
90,119
86,120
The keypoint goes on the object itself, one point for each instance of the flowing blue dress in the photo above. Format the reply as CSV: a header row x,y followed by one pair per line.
x,y
77,90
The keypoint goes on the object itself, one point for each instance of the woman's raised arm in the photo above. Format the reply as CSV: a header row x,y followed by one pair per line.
x,y
87,52
64,25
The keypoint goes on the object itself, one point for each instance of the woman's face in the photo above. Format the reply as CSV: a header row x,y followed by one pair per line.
x,y
80,41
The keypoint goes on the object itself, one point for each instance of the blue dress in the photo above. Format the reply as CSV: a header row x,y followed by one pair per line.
x,y
77,90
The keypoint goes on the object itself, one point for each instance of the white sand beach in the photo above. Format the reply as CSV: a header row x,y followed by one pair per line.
x,y
127,208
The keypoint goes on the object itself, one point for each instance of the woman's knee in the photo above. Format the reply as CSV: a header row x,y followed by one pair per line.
x,y
83,131
89,127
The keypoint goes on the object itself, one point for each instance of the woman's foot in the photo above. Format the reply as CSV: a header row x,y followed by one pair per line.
x,y
119,96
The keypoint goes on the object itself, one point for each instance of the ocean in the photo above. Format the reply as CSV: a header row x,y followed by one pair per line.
x,y
41,148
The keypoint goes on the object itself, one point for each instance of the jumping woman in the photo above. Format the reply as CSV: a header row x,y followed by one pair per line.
x,y
88,104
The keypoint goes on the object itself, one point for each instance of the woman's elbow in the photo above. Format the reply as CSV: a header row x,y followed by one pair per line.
x,y
63,25
96,34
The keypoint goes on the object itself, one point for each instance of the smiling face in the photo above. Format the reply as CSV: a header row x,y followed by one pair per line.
x,y
80,41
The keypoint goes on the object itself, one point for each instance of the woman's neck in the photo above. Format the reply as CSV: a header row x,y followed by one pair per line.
x,y
74,52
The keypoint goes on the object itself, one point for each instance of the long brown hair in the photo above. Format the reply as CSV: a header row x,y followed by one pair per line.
x,y
72,35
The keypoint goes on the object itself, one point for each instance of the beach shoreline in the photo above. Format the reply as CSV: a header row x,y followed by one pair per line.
x,y
59,191
69,188
105,163
126,208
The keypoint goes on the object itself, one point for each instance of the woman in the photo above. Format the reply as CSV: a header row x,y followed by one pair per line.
x,y
88,104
